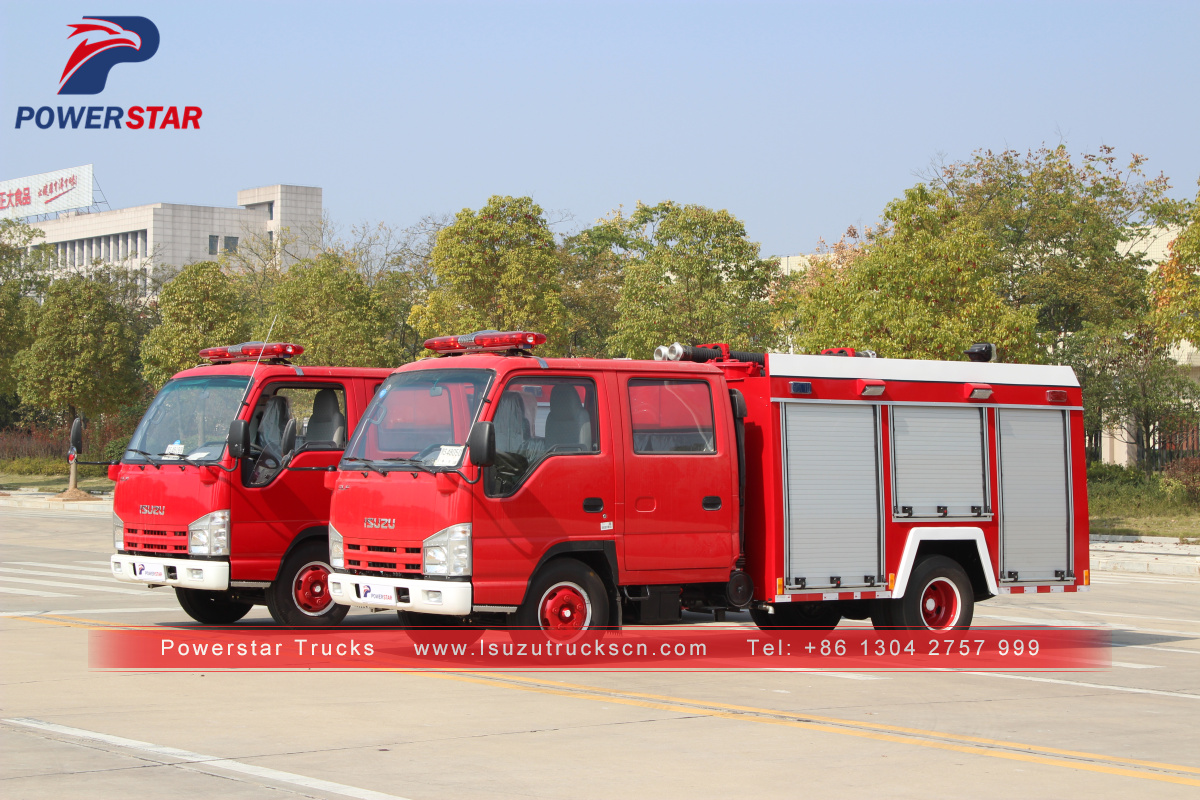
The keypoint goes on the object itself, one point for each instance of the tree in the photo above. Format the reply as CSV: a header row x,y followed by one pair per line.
x,y
690,275
201,307
1175,285
326,306
496,268
1064,233
914,288
591,279
83,354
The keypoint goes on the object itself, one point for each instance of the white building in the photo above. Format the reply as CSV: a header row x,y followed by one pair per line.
x,y
171,235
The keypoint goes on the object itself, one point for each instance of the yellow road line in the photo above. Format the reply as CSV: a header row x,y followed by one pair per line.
x,y
885,733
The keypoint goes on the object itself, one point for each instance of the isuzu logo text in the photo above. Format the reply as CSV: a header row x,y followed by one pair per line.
x,y
378,522
156,511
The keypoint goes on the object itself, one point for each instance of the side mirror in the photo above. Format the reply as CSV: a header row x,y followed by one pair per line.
x,y
239,438
77,435
481,444
289,438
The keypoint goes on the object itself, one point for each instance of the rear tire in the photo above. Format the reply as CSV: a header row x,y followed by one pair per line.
x,y
299,595
211,608
939,597
814,615
566,596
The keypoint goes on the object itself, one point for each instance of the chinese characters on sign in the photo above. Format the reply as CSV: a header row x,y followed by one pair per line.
x,y
47,193
17,197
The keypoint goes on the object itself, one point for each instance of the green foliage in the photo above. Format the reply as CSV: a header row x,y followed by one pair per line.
x,y
496,268
83,352
592,276
326,306
1116,491
914,289
201,307
1175,285
689,275
1186,473
47,466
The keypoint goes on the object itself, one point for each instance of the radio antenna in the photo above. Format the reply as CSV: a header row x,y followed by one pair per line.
x,y
250,383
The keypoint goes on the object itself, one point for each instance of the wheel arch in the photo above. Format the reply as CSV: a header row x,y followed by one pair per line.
x,y
303,537
600,555
964,545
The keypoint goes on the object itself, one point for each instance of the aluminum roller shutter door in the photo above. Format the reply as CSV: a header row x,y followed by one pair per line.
x,y
831,477
1034,520
938,459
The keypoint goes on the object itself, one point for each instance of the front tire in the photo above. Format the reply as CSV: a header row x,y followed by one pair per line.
x,y
566,596
939,597
811,615
299,595
211,608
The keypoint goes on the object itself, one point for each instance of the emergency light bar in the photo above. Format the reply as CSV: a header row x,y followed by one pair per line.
x,y
248,351
485,341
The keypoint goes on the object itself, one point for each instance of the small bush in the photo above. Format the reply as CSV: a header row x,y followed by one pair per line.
x,y
1185,472
47,466
1116,491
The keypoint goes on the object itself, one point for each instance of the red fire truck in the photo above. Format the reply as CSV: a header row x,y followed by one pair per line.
x,y
231,527
491,485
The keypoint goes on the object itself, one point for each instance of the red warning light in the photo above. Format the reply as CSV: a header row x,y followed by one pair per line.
x,y
248,351
483,341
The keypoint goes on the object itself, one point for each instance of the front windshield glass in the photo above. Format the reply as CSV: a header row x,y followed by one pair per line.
x,y
419,418
188,420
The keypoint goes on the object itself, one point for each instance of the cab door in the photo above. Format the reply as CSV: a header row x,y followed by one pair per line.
x,y
680,498
552,482
271,505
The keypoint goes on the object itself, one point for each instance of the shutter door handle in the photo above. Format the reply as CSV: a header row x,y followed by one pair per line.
x,y
593,505
711,503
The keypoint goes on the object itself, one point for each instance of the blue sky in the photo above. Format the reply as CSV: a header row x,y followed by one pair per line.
x,y
800,118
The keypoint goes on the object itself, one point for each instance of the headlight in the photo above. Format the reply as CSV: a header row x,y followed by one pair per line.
x,y
118,533
209,535
448,552
336,549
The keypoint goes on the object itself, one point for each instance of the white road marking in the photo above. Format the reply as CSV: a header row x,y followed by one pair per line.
x,y
1129,577
212,762
1132,689
105,579
60,566
1083,623
33,593
86,611
1160,649
1131,616
1127,665
38,582
105,563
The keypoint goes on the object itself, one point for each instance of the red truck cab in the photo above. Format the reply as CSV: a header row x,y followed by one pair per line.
x,y
230,533
491,485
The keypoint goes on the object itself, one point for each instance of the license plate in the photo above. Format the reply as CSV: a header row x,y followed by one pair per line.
x,y
380,594
149,572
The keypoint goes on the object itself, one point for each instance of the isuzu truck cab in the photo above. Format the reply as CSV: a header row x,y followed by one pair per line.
x,y
221,494
490,485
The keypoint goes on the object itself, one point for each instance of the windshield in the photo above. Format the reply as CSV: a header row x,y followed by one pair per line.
x,y
420,418
189,419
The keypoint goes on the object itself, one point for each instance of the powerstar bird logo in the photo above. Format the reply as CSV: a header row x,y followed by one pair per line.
x,y
105,42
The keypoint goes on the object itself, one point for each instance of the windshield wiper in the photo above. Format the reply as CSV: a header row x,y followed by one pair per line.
x,y
148,456
414,463
365,462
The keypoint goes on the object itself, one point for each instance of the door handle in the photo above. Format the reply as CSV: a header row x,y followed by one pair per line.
x,y
711,503
593,505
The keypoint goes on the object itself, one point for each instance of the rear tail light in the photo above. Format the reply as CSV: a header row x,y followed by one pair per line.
x,y
1056,396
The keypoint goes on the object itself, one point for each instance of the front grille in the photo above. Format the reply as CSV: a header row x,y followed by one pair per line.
x,y
382,564
374,548
145,540
392,568
386,574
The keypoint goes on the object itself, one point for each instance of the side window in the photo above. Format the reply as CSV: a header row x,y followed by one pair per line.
x,y
319,411
536,418
671,416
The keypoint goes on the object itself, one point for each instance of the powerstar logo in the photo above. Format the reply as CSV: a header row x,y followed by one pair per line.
x,y
156,511
102,42
378,522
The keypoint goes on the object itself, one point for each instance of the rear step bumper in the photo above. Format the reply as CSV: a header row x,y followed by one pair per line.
x,y
451,598
211,576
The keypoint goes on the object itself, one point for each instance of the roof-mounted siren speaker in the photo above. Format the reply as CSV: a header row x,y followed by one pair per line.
x,y
981,352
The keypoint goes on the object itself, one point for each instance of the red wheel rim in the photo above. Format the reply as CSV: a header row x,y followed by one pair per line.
x,y
564,607
311,589
940,604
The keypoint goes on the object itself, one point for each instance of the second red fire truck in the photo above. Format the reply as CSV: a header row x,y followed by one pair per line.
x,y
491,485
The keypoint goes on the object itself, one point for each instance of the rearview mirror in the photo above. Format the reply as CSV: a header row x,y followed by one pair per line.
x,y
481,444
239,438
77,435
289,438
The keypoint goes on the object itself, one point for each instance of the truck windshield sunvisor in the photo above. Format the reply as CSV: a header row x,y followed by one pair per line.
x,y
419,420
188,421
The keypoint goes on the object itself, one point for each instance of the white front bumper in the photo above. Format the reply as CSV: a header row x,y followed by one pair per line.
x,y
452,598
210,575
